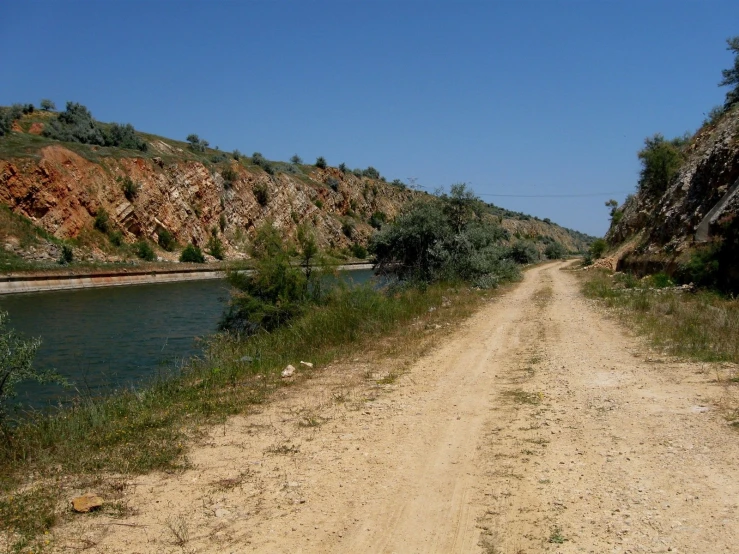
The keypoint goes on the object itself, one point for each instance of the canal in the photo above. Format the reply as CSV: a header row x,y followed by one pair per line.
x,y
107,338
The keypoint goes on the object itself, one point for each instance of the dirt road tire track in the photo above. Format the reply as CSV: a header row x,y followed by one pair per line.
x,y
536,426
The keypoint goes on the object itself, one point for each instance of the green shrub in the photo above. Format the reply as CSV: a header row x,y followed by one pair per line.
x,y
130,188
102,221
430,241
523,252
321,162
377,219
371,172
343,168
215,246
731,76
359,251
598,248
166,239
144,251
47,105
661,160
67,255
319,203
222,222
229,177
261,193
192,254
555,251
272,294
196,143
258,159
333,183
347,228
116,238
296,160
76,124
8,116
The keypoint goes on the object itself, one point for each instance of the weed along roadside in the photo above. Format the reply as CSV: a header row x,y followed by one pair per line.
x,y
281,314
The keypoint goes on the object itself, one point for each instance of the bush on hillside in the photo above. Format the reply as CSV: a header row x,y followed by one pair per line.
x,y
102,221
371,172
192,254
661,160
130,188
47,105
196,143
166,240
76,124
321,162
261,193
144,251
8,116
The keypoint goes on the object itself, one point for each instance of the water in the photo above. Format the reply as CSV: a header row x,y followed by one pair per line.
x,y
108,338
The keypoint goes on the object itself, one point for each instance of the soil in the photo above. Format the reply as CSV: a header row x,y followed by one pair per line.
x,y
538,425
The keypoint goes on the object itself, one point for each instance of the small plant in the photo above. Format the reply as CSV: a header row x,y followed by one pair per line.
x,y
222,222
144,251
166,240
192,254
67,255
359,251
343,168
377,219
130,188
196,143
556,536
178,527
333,182
116,238
296,160
347,228
598,248
215,246
261,193
236,155
102,221
321,162
371,172
319,203
257,159
229,177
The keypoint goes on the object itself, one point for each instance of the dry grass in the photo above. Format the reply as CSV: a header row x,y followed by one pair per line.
x,y
703,326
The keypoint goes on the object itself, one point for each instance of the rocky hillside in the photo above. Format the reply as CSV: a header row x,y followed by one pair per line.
x,y
118,191
693,225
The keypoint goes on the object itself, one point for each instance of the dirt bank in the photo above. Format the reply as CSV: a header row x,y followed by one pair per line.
x,y
539,425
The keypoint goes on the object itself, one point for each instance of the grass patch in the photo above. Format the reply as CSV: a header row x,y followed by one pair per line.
x,y
702,325
521,396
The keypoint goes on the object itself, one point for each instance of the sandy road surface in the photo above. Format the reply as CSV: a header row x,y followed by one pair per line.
x,y
538,425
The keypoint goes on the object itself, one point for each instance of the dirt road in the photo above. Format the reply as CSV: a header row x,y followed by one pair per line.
x,y
539,425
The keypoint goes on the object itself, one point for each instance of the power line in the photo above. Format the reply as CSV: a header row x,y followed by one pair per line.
x,y
575,195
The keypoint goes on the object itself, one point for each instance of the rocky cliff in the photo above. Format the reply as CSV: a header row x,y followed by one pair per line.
x,y
699,211
192,194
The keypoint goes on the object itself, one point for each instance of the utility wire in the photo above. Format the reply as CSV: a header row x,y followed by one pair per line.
x,y
577,195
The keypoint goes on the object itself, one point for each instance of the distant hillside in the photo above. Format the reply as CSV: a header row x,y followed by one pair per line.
x,y
107,188
684,218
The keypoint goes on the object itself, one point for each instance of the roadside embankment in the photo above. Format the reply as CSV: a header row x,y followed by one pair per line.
x,y
50,282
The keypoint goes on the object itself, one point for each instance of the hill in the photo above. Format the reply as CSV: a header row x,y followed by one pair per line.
x,y
107,188
690,229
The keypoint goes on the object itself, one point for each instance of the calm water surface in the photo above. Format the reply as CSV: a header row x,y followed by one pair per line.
x,y
107,338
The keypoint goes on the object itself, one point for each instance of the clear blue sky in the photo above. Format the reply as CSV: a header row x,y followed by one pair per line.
x,y
512,97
